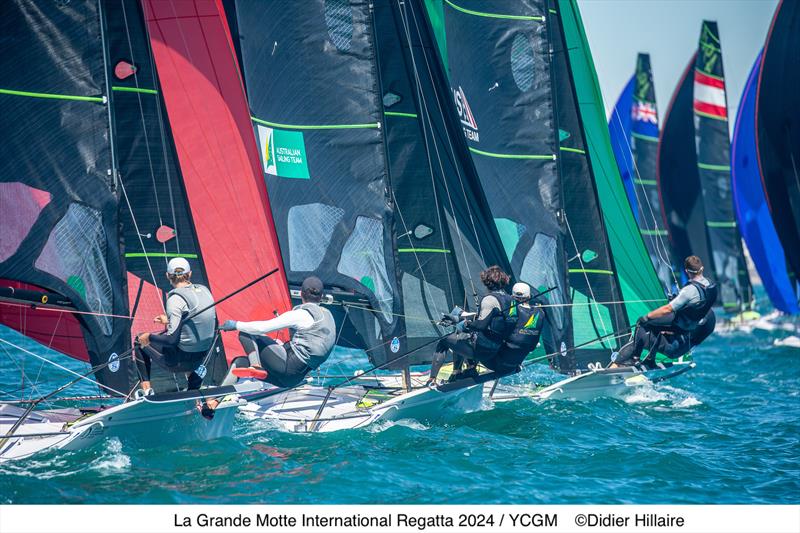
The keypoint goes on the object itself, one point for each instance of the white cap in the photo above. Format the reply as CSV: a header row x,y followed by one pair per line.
x,y
178,263
521,291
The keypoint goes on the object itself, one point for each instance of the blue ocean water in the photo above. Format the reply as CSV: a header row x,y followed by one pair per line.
x,y
727,432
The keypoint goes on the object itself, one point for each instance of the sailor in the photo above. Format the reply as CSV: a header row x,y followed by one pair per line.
x,y
187,341
480,339
313,335
673,329
524,337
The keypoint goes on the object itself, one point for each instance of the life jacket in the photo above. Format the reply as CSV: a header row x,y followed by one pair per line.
x,y
196,334
527,328
492,331
689,317
313,345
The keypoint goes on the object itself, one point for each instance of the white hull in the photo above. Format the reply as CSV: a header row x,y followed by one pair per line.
x,y
302,410
614,382
141,423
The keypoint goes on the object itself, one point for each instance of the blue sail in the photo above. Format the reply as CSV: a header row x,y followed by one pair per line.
x,y
752,210
619,125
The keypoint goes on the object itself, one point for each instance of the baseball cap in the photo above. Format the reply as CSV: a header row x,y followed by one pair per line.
x,y
178,265
521,291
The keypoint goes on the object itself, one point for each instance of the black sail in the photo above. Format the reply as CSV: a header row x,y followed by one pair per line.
x,y
778,127
59,193
371,188
515,94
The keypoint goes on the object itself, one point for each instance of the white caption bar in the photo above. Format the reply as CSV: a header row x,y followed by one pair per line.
x,y
400,518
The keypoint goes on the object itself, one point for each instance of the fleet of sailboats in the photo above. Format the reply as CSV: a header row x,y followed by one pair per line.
x,y
383,149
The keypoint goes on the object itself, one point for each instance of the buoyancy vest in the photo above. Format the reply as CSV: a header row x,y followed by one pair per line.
x,y
492,331
313,345
527,328
196,334
689,317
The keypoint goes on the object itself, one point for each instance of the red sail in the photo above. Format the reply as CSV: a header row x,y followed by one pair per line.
x,y
210,123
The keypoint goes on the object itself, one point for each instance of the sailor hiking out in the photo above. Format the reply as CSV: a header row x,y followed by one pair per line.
x,y
313,335
675,328
186,341
506,329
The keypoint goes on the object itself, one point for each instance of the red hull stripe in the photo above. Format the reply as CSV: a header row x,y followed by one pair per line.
x,y
216,148
709,109
699,77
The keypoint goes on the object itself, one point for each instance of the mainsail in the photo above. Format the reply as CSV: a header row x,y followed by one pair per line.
x,y
752,211
633,126
778,127
105,186
694,173
371,184
542,159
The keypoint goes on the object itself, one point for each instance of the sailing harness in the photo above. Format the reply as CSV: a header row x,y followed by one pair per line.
x,y
689,317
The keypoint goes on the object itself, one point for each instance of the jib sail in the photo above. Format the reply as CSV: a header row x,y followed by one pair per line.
x,y
694,173
372,187
634,135
778,127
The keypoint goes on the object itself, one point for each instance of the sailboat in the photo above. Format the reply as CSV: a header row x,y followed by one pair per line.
x,y
372,190
633,126
131,144
693,175
531,112
752,211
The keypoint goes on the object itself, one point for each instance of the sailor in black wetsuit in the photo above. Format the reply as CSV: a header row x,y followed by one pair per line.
x,y
673,329
482,338
185,343
524,336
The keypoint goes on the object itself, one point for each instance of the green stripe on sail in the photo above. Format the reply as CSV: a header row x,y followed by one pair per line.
x,y
660,232
590,271
98,99
159,254
573,150
512,156
645,182
424,250
398,114
719,224
316,126
708,115
641,288
707,166
134,90
491,15
648,138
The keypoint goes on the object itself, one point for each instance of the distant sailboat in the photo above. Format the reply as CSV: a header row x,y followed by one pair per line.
x,y
694,174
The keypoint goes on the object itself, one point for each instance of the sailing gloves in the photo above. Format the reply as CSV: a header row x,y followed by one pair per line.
x,y
229,325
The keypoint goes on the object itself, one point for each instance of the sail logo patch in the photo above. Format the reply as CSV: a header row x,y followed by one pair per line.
x,y
283,153
644,112
395,345
709,95
465,114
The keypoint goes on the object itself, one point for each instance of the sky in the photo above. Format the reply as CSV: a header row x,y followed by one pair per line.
x,y
669,30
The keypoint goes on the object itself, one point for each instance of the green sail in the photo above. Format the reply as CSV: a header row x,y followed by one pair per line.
x,y
640,286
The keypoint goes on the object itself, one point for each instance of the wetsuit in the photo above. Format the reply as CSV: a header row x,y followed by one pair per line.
x,y
313,335
185,344
522,340
674,334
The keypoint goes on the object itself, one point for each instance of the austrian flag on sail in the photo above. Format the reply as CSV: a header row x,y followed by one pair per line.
x,y
709,96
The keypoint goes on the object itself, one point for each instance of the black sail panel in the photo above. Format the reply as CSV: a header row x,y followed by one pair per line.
x,y
778,127
501,85
59,198
678,178
713,168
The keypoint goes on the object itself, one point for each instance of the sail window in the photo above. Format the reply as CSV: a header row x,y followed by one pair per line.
x,y
363,260
423,304
310,228
390,99
539,270
75,253
20,206
339,19
522,64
